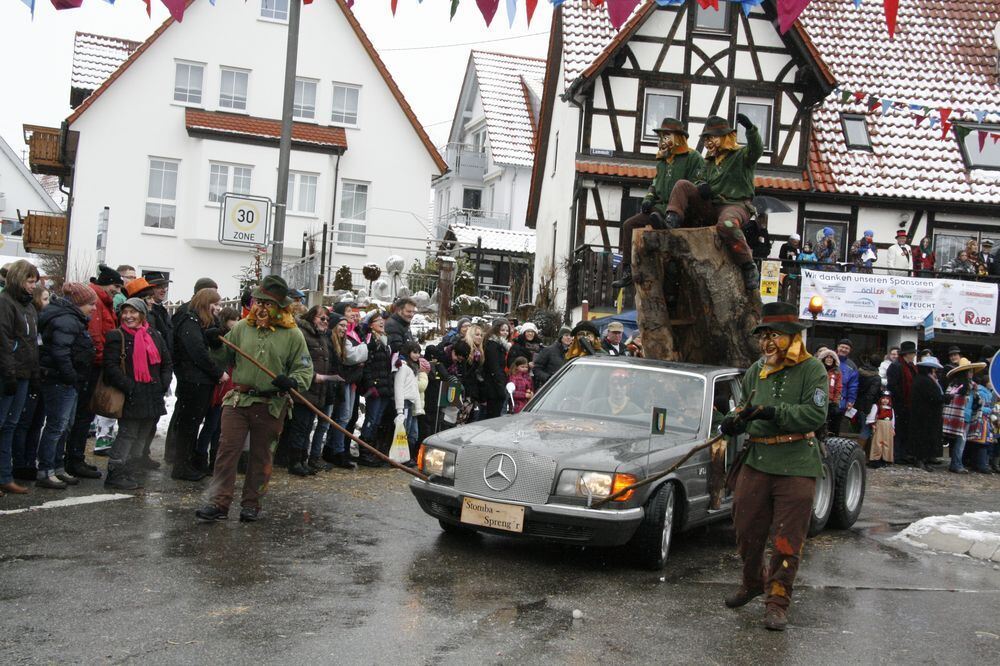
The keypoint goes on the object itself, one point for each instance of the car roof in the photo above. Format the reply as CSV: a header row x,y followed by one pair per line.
x,y
708,371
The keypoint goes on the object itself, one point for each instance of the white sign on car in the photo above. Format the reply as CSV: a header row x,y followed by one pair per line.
x,y
245,220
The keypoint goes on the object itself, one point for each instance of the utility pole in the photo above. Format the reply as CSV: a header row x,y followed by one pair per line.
x,y
285,145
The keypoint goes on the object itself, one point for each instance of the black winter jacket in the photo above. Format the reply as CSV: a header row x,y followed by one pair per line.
x,y
18,334
142,400
192,358
523,348
548,361
397,330
494,370
319,348
159,319
378,369
67,352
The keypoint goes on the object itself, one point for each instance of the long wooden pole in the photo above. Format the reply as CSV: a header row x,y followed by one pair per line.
x,y
298,396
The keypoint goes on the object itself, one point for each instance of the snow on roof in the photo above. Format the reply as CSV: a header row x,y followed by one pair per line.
x,y
508,114
501,240
587,31
944,55
96,57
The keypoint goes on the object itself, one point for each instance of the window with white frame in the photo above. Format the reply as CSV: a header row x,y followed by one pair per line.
x,y
353,214
161,194
760,111
304,105
188,78
659,104
856,132
224,178
346,99
979,147
302,193
233,89
275,10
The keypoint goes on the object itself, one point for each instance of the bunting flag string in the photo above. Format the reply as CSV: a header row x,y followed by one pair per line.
x,y
942,117
618,10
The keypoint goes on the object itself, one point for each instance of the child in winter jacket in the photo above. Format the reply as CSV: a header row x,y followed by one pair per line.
x,y
807,256
523,388
831,362
882,421
406,393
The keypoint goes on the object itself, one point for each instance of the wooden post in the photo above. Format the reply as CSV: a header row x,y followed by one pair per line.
x,y
446,288
714,315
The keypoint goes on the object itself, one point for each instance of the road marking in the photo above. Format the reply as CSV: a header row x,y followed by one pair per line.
x,y
69,501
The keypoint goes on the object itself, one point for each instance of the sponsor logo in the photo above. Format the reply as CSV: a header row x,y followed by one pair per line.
x,y
976,294
874,291
888,307
835,289
915,305
861,303
973,318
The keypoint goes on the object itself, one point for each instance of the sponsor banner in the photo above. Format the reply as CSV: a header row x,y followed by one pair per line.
x,y
770,280
893,300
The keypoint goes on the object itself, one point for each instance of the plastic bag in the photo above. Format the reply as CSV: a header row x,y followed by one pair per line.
x,y
400,450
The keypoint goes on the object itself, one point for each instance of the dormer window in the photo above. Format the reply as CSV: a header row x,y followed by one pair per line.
x,y
979,150
856,132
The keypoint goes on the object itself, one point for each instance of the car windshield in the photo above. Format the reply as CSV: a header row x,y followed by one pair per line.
x,y
625,393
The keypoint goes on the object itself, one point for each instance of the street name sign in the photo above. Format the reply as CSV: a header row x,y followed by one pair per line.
x,y
244,220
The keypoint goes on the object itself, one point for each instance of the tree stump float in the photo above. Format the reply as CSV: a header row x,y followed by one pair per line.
x,y
712,320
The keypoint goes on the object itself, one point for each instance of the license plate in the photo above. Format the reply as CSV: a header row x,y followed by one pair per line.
x,y
492,514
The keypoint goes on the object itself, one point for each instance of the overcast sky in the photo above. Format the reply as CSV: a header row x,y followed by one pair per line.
x,y
35,56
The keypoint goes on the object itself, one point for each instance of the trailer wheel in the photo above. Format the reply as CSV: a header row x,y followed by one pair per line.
x,y
822,500
849,472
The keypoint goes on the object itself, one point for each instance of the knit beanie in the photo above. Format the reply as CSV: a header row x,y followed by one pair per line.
x,y
137,304
78,294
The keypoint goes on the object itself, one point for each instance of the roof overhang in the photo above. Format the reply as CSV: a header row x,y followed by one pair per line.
x,y
263,131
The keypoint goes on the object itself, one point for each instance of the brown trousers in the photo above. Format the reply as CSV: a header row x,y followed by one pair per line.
x,y
780,507
637,221
728,219
264,431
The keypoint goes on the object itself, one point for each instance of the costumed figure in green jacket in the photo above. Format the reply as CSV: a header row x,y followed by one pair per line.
x,y
787,394
258,405
675,161
723,197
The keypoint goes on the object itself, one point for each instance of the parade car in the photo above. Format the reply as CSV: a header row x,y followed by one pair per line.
x,y
599,425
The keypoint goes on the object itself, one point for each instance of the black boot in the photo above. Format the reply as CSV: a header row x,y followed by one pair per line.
x,y
626,278
751,278
183,471
368,459
343,460
119,479
318,465
672,220
296,465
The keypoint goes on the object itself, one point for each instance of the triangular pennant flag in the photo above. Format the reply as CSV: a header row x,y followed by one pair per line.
x,y
529,6
31,5
916,107
980,116
995,136
149,11
920,119
844,96
176,8
392,6
934,120
597,3
857,3
511,12
859,96
891,8
619,11
454,8
788,12
66,4
488,8
945,115
705,4
982,139
886,105
962,132
873,102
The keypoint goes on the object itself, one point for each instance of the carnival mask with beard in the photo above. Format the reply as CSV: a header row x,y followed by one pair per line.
x,y
780,350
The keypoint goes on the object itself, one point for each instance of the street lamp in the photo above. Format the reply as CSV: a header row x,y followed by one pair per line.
x,y
816,306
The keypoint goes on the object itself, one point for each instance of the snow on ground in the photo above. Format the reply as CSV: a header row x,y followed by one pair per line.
x,y
974,534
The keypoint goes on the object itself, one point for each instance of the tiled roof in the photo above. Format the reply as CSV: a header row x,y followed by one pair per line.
x,y
647,170
236,125
96,57
500,240
508,115
587,32
944,55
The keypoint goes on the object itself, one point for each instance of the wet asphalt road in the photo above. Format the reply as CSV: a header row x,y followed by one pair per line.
x,y
346,569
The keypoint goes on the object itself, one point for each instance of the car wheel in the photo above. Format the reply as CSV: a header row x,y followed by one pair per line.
x,y
822,500
848,462
456,530
652,540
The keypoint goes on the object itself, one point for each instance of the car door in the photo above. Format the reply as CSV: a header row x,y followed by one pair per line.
x,y
726,396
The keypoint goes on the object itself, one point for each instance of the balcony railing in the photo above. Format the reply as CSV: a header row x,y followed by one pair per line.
x,y
44,233
590,278
45,151
465,161
471,217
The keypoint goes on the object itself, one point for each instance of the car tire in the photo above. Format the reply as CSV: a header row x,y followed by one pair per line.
x,y
822,500
848,461
456,530
651,543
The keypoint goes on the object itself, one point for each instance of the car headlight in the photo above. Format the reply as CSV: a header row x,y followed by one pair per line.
x,y
578,483
436,462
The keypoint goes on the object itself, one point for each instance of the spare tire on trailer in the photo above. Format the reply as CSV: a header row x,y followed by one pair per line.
x,y
822,506
848,462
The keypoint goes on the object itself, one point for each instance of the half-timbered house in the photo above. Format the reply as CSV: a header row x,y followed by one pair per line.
x,y
842,165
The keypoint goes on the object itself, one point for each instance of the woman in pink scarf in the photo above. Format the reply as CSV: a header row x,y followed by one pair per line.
x,y
137,362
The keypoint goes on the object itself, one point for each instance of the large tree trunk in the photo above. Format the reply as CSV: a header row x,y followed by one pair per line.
x,y
713,317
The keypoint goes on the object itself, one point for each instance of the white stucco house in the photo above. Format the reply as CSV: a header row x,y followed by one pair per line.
x,y
194,112
20,192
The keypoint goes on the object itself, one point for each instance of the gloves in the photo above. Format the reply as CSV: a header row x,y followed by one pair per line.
x,y
284,383
705,191
762,413
646,207
9,386
212,335
400,419
743,121
733,425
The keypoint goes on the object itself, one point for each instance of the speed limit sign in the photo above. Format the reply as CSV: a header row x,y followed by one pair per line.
x,y
245,220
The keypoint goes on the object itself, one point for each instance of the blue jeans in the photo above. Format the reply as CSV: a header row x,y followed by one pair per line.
x,y
60,408
342,415
11,407
412,428
319,434
374,409
956,448
24,448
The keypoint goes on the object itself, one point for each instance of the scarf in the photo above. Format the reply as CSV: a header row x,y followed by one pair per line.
x,y
282,317
144,353
796,354
726,146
